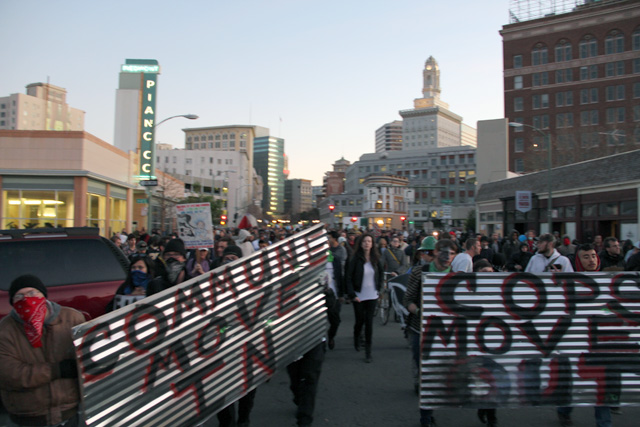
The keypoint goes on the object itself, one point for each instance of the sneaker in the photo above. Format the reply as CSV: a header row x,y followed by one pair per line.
x,y
565,420
332,343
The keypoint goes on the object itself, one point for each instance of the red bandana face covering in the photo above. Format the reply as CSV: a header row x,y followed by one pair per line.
x,y
32,311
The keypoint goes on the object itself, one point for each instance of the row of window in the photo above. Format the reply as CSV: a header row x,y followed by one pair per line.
x,y
587,140
587,96
587,118
590,72
614,42
217,137
190,161
218,144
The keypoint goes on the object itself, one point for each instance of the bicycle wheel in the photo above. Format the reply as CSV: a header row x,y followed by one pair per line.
x,y
384,308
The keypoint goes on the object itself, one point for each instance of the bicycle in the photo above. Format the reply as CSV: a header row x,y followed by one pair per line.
x,y
383,307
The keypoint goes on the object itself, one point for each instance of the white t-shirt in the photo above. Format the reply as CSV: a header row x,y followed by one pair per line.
x,y
368,290
462,262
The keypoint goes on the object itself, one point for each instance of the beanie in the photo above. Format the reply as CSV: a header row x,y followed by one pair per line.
x,y
26,281
176,245
232,250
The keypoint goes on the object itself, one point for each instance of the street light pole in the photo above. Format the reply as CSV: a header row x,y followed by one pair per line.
x,y
547,139
148,189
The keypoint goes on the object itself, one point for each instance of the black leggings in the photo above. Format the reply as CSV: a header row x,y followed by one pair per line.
x,y
364,311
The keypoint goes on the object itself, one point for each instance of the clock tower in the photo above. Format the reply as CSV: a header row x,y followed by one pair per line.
x,y
431,79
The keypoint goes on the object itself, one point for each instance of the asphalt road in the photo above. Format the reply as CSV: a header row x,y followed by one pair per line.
x,y
354,393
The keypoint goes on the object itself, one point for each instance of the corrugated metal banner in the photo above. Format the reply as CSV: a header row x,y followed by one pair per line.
x,y
178,357
508,340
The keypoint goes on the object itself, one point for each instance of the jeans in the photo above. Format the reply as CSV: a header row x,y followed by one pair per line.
x,y
364,311
602,414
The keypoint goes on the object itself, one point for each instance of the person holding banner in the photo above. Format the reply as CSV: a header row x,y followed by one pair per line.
x,y
548,259
38,371
140,283
444,253
586,260
365,274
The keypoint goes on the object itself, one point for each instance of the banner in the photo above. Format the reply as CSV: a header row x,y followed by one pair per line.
x,y
194,225
524,201
509,340
179,356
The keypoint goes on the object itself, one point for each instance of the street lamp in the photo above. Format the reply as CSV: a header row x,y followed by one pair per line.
x,y
148,189
547,139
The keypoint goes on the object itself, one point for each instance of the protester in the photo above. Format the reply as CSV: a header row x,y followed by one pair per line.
x,y
304,375
567,248
444,253
610,257
38,372
364,274
548,259
511,245
394,259
519,260
587,260
464,260
336,284
227,416
171,266
140,283
199,263
243,241
633,263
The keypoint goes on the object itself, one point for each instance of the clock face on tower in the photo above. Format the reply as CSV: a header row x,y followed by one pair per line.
x,y
428,67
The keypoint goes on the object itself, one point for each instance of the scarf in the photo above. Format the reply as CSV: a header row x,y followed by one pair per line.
x,y
32,311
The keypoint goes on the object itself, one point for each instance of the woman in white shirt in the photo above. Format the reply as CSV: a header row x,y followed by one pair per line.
x,y
365,273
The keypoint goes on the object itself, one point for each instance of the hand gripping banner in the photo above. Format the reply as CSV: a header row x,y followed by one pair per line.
x,y
179,356
507,340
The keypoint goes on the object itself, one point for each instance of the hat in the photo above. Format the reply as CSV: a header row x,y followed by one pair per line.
x,y
637,245
203,249
232,250
141,245
176,245
342,240
242,235
428,244
26,281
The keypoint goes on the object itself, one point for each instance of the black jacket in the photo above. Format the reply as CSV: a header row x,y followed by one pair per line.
x,y
615,263
355,273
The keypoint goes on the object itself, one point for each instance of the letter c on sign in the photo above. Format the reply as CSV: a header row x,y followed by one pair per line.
x,y
146,168
147,136
146,154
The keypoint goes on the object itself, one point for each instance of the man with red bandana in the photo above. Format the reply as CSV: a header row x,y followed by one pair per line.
x,y
587,260
38,372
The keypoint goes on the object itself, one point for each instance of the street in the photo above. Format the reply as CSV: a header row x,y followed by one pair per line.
x,y
353,393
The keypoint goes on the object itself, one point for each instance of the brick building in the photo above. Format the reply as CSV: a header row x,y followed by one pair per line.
x,y
572,71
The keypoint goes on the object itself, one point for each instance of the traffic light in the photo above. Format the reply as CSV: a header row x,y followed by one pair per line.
x,y
403,219
223,219
331,208
354,219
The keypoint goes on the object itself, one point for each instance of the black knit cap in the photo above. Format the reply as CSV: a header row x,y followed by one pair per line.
x,y
232,250
26,281
176,245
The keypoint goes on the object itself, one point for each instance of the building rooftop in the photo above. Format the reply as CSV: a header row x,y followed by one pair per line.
x,y
615,169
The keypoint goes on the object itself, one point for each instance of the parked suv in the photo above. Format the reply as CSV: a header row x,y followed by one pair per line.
x,y
80,268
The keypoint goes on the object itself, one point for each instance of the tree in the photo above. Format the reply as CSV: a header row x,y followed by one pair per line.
x,y
470,222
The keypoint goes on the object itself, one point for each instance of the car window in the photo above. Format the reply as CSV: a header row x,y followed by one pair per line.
x,y
59,262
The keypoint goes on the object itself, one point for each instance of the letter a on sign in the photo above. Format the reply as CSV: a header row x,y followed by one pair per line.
x,y
523,201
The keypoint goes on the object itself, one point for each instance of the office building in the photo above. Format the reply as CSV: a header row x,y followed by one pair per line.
x,y
269,163
389,137
333,181
572,77
43,107
431,123
297,196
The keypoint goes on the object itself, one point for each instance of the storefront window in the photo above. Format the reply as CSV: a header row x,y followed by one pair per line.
x,y
629,208
570,211
608,209
96,211
589,210
31,209
117,215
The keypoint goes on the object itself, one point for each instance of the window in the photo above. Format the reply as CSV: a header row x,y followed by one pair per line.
x,y
518,104
517,82
593,71
564,120
541,122
636,90
611,115
584,73
636,113
584,96
620,92
517,61
560,99
636,66
594,117
539,79
563,76
588,47
614,43
544,100
519,145
539,55
563,51
518,128
519,165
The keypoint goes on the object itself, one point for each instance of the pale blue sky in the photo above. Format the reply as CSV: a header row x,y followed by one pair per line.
x,y
334,71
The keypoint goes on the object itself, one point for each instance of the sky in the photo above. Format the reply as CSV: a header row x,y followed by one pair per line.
x,y
323,75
